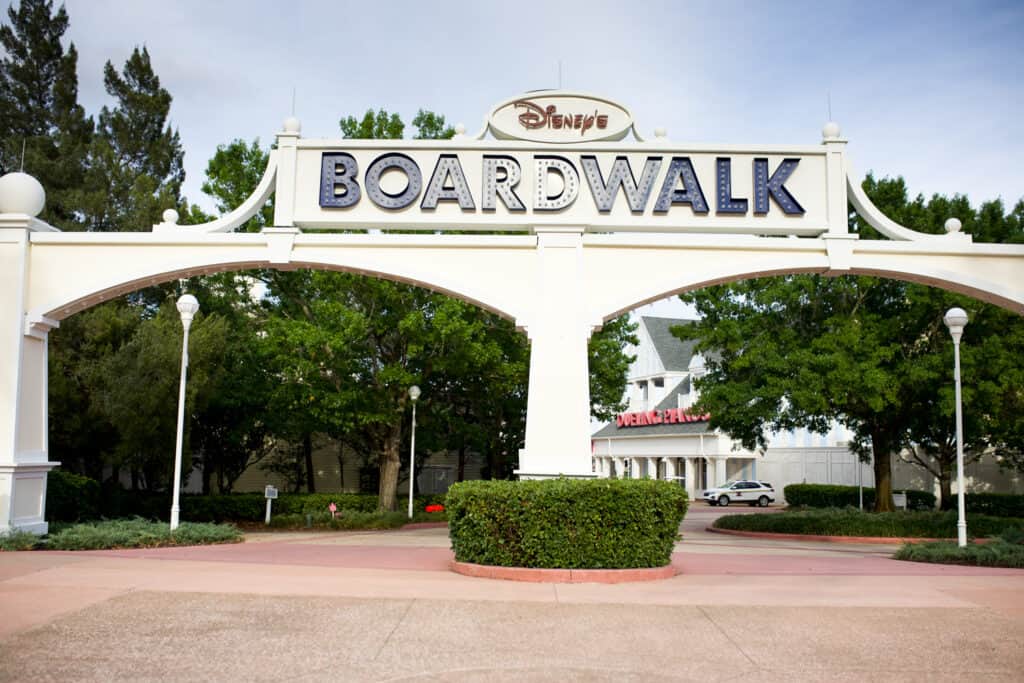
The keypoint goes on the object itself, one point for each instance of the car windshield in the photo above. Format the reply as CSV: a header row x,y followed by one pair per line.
x,y
728,484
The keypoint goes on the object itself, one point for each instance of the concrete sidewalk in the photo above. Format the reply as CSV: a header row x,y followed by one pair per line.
x,y
382,606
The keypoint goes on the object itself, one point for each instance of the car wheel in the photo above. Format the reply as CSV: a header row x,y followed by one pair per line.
x,y
763,501
723,501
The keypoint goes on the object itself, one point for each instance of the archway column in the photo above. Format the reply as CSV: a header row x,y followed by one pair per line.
x,y
558,403
24,459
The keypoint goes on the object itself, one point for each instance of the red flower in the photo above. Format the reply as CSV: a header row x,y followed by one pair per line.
x,y
434,508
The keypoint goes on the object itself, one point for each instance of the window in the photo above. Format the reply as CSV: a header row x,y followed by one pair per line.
x,y
659,381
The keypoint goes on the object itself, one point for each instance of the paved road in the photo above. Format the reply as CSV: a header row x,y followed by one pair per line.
x,y
377,606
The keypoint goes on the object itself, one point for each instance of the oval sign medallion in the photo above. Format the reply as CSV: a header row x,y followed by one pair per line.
x,y
558,116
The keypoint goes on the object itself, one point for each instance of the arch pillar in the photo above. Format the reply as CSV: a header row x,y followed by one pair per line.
x,y
24,460
558,402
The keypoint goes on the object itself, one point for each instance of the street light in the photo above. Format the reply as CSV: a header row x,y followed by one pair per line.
x,y
187,307
414,394
955,320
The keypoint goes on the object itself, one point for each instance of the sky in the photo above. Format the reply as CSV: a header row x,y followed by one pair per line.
x,y
931,91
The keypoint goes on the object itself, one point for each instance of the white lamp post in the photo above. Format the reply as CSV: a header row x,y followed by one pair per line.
x,y
414,394
955,320
187,307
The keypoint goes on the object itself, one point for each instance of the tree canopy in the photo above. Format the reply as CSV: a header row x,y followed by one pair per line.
x,y
870,353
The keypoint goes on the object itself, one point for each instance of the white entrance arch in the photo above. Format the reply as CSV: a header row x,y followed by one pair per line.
x,y
660,219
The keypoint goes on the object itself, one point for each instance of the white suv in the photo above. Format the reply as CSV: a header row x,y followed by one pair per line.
x,y
749,492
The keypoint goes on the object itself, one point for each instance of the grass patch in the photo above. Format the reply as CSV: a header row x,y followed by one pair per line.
x,y
18,540
853,522
1005,551
139,533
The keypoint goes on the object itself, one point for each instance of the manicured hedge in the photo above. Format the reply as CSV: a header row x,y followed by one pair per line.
x,y
998,504
565,523
833,496
71,497
852,522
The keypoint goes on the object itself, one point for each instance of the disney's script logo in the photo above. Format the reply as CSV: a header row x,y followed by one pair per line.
x,y
537,116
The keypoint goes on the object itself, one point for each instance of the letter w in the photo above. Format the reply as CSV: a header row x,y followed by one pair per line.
x,y
621,176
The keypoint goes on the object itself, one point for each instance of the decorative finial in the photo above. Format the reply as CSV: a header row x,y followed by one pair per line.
x,y
21,193
170,217
830,131
660,133
953,226
292,125
460,130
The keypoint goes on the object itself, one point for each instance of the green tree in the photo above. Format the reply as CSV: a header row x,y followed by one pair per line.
x,y
139,390
82,437
871,353
40,117
135,169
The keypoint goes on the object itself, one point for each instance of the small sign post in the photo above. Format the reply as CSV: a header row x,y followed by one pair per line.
x,y
270,493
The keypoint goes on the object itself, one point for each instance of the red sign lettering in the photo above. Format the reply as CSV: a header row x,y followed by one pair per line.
x,y
656,417
536,116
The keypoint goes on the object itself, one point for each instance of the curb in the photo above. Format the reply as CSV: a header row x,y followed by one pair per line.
x,y
423,525
533,575
880,540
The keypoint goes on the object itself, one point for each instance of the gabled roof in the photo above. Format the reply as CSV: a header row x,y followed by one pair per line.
x,y
671,399
675,355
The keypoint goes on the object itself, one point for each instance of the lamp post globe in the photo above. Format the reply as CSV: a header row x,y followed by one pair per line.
x,y
955,319
188,306
414,394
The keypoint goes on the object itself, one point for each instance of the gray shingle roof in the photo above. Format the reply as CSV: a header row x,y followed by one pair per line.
x,y
675,355
613,431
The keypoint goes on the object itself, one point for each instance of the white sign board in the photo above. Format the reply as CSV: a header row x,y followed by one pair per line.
x,y
514,186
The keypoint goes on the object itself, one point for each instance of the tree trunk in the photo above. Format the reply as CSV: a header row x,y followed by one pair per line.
x,y
882,449
341,465
307,455
945,483
389,464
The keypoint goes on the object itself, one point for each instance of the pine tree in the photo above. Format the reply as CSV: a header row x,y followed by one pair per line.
x,y
136,161
39,110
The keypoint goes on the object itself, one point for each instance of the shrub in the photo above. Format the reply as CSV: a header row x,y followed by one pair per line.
x,y
565,523
997,504
18,540
346,519
139,533
1005,551
71,497
853,522
834,496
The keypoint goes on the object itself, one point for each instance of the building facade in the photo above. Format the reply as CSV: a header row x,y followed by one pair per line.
x,y
660,437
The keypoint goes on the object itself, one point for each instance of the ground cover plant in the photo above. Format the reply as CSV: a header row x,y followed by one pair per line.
x,y
1007,550
139,533
853,522
565,523
18,540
